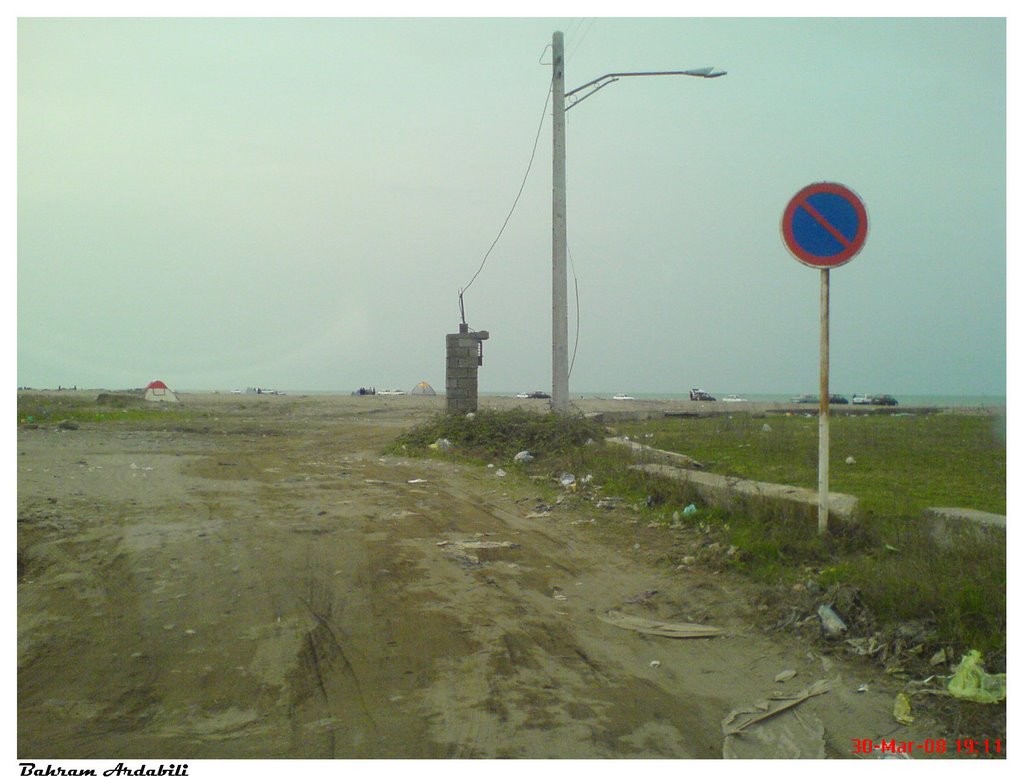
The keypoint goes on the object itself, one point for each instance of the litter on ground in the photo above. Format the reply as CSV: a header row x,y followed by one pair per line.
x,y
760,731
972,683
659,628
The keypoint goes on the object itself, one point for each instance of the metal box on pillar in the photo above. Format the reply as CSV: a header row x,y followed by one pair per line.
x,y
465,354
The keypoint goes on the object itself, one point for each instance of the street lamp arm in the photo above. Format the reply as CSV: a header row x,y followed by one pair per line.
x,y
574,100
610,78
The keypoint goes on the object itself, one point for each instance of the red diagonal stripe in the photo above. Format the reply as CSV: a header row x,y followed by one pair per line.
x,y
824,222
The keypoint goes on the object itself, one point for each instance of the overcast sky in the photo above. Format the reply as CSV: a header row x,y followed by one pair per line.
x,y
295,204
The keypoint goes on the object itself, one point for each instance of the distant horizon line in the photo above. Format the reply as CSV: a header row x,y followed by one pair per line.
x,y
587,394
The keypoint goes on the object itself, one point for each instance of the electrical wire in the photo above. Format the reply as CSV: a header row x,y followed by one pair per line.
x,y
529,166
576,285
581,39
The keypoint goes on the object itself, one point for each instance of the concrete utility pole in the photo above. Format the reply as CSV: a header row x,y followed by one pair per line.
x,y
559,241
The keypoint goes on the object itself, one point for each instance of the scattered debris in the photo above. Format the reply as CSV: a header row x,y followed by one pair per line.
x,y
901,710
850,460
655,664
690,509
862,688
785,674
790,736
500,473
938,658
641,597
765,428
972,683
416,480
865,646
474,552
831,623
567,479
523,457
659,628
443,444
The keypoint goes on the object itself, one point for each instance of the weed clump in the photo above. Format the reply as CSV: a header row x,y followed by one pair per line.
x,y
501,434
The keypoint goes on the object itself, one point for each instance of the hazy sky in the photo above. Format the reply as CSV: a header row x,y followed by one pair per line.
x,y
295,204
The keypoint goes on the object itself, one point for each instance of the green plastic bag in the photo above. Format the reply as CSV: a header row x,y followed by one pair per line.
x,y
971,682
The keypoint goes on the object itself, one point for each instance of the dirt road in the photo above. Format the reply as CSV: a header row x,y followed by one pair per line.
x,y
264,584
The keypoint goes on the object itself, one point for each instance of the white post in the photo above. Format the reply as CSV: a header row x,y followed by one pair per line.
x,y
559,284
823,412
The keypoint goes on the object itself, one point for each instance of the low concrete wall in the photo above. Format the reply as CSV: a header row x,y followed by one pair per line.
x,y
655,454
730,492
946,525
949,525
613,416
737,493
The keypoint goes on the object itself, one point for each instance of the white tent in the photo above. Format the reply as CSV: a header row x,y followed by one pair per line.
x,y
157,391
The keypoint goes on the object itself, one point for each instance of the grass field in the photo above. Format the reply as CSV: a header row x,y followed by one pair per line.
x,y
901,463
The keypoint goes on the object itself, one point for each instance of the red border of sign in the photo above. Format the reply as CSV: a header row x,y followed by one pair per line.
x,y
852,246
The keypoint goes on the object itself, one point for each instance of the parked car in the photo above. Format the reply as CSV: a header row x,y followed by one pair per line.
x,y
835,399
861,399
806,399
538,395
733,398
884,399
699,395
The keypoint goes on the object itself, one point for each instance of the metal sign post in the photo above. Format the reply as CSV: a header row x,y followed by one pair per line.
x,y
824,226
823,411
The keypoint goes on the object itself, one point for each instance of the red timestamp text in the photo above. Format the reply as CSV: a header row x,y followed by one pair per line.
x,y
929,747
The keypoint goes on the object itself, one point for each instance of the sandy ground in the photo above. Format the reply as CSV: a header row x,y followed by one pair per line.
x,y
268,585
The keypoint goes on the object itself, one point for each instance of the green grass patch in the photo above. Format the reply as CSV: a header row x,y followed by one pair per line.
x,y
123,408
903,463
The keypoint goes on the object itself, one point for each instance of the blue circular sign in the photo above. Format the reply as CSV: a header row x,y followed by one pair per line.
x,y
825,225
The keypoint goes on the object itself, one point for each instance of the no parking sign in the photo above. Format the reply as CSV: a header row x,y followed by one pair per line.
x,y
825,225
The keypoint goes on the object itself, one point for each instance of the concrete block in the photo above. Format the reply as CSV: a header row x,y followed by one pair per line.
x,y
949,525
654,454
733,493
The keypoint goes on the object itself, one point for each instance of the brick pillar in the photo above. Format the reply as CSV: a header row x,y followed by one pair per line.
x,y
464,357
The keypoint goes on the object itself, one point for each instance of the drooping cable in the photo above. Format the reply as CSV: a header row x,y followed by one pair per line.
x,y
529,166
576,285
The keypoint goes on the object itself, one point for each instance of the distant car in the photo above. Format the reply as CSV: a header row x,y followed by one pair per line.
x,y
732,398
883,399
538,395
835,399
806,399
698,395
622,396
861,399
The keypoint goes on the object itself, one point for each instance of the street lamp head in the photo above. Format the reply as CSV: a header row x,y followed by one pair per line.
x,y
704,72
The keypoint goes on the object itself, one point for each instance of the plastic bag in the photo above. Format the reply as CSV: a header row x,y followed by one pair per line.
x,y
901,710
972,683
